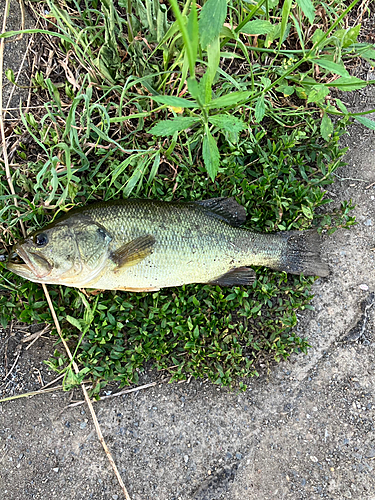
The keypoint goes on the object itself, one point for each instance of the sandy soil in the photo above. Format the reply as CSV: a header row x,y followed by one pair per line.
x,y
303,431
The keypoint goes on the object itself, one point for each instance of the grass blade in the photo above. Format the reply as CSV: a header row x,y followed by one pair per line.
x,y
284,20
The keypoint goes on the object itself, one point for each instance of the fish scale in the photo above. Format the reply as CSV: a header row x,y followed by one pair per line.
x,y
190,245
144,245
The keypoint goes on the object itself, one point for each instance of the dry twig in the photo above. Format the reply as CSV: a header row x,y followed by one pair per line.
x,y
15,362
34,337
33,393
121,393
18,74
87,398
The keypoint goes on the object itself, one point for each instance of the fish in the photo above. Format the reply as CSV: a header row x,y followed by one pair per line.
x,y
144,245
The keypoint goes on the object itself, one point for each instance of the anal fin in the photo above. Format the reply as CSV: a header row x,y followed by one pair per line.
x,y
237,276
133,252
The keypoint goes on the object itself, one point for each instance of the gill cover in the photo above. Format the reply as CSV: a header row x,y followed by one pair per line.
x,y
71,252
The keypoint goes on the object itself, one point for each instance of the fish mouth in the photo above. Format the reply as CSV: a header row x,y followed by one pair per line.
x,y
23,265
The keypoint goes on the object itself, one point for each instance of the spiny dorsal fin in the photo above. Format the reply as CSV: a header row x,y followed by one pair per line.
x,y
237,276
226,209
133,252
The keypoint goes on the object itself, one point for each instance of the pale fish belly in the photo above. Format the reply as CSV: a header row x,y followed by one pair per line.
x,y
181,262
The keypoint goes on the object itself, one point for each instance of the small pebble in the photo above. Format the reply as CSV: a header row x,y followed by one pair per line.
x,y
363,286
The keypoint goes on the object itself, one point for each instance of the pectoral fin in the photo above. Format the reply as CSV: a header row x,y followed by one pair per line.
x,y
133,252
236,277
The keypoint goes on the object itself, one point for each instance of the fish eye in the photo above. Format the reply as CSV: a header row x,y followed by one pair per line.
x,y
41,239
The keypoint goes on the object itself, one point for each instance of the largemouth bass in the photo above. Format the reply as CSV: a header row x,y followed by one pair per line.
x,y
145,245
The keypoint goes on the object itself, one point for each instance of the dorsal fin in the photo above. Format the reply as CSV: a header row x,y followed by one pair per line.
x,y
226,209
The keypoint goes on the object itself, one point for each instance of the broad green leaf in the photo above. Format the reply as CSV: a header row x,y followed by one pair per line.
x,y
287,4
265,81
71,379
341,106
226,32
370,53
171,100
257,27
317,93
75,322
230,99
285,89
211,155
326,127
348,83
213,58
331,66
192,29
201,91
193,87
260,109
161,21
205,88
348,36
318,35
211,20
9,73
366,122
308,9
307,212
169,127
275,33
228,123
304,79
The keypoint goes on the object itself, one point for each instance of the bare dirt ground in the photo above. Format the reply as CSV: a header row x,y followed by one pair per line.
x,y
304,430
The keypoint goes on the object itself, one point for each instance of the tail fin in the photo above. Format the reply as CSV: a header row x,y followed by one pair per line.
x,y
302,254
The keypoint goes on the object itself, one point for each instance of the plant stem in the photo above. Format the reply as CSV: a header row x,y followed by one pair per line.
x,y
128,17
185,36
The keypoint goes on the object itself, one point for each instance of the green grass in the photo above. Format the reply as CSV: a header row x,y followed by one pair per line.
x,y
165,103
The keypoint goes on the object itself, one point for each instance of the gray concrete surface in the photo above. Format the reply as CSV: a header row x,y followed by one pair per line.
x,y
15,50
303,430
